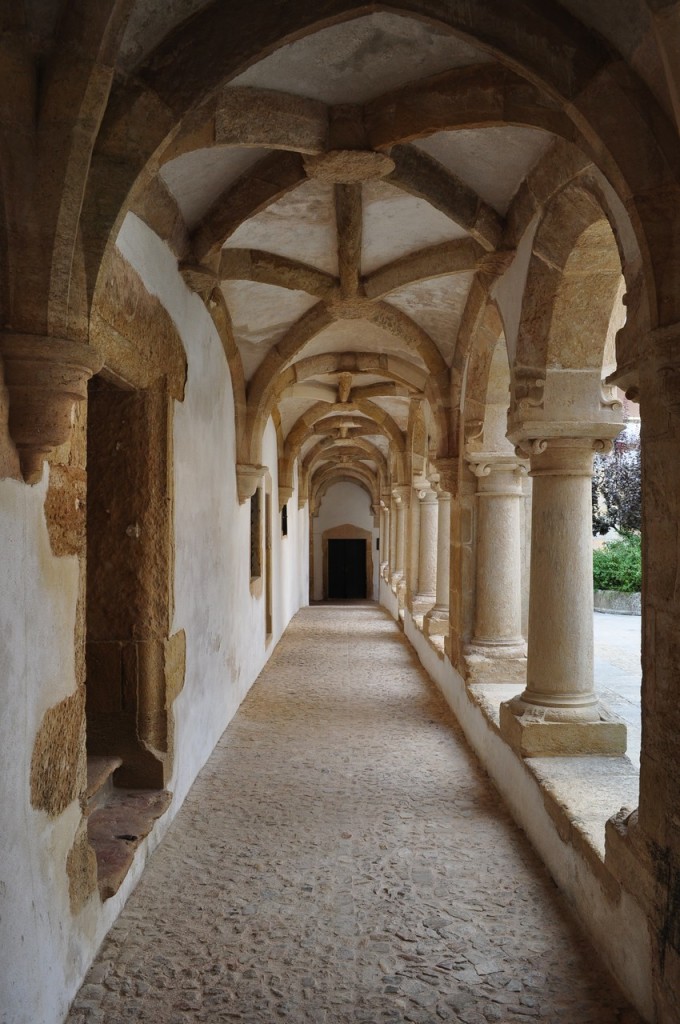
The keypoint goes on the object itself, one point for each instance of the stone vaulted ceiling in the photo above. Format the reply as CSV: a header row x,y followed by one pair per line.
x,y
351,203
353,261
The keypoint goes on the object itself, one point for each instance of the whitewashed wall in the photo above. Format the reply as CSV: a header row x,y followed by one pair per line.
x,y
37,623
45,950
343,503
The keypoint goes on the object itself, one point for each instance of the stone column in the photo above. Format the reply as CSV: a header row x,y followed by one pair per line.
x,y
558,712
393,540
384,538
498,650
402,503
436,622
427,550
411,551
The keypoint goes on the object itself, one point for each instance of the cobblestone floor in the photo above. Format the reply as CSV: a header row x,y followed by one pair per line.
x,y
342,858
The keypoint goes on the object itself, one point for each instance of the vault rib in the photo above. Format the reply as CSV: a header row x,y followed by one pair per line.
x,y
265,183
459,256
349,218
267,268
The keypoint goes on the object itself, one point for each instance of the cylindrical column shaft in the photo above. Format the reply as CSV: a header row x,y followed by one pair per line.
x,y
427,547
393,537
401,538
412,545
401,509
385,536
560,647
498,608
443,553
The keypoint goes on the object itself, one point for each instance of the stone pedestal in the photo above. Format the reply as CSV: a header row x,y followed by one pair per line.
x,y
436,622
558,712
498,649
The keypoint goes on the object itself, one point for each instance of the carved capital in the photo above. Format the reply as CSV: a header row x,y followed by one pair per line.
x,y
401,495
473,430
561,403
248,480
566,456
44,377
497,472
285,494
447,473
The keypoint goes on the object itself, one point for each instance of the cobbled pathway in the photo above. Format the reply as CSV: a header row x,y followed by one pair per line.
x,y
343,858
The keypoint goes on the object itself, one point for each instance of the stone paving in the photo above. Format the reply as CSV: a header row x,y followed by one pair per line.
x,y
343,858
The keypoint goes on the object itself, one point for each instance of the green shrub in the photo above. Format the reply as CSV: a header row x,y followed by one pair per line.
x,y
618,565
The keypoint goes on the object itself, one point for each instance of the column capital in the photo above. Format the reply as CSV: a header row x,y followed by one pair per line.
x,y
498,472
565,456
427,496
45,377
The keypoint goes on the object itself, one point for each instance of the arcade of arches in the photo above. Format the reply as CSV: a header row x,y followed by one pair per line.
x,y
276,278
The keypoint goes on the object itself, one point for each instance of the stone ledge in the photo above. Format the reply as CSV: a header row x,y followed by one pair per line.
x,y
117,829
617,602
580,793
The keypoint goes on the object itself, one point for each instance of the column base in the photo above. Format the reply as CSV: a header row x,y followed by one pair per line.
x,y
534,731
496,663
436,622
422,603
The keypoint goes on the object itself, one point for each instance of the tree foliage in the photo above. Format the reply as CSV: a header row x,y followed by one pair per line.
x,y
617,490
618,565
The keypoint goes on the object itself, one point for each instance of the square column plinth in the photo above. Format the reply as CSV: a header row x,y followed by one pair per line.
x,y
535,733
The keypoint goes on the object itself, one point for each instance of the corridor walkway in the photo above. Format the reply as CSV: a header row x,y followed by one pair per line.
x,y
343,859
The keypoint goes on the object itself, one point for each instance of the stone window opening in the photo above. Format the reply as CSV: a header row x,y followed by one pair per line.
x,y
256,535
127,647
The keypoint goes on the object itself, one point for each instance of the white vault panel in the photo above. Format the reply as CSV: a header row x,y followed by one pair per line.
x,y
436,305
492,161
360,59
396,223
260,316
358,336
300,225
197,179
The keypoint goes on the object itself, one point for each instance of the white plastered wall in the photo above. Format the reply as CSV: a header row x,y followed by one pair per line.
x,y
45,949
343,503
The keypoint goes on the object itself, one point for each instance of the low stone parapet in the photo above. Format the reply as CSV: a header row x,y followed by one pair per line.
x,y
618,602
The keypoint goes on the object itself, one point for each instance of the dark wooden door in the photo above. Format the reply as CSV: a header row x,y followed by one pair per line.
x,y
347,568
